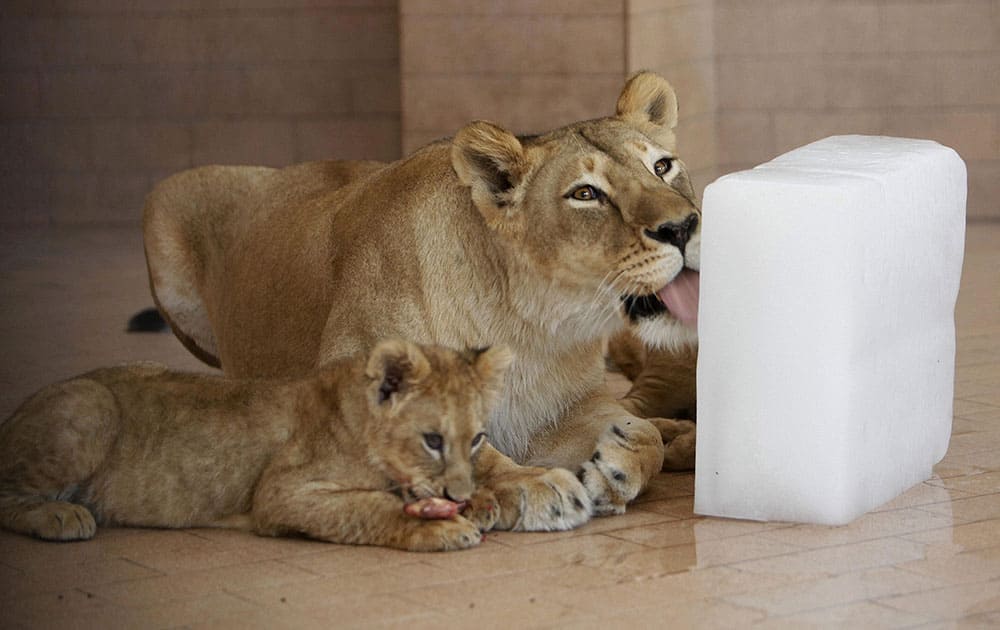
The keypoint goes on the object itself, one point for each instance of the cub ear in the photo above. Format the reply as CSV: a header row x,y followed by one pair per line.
x,y
491,161
395,366
648,98
491,365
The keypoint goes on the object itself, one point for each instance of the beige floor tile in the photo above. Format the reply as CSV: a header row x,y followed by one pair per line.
x,y
958,567
953,602
343,559
857,615
963,426
947,470
970,509
286,547
702,554
969,537
972,485
360,611
22,552
709,614
274,618
868,527
840,559
927,493
528,612
62,577
652,563
979,442
372,581
588,550
985,393
979,412
181,586
516,588
179,613
489,560
668,486
692,530
68,608
634,517
988,460
678,508
698,584
809,595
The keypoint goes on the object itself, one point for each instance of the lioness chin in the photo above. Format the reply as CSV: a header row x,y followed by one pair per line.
x,y
345,455
547,244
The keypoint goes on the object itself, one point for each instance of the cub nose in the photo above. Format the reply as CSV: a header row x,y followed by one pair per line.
x,y
676,233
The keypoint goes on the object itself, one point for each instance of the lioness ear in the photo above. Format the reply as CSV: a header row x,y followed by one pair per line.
x,y
491,161
648,97
491,364
394,366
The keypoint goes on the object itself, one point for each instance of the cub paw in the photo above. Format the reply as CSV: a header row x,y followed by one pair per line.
x,y
58,520
457,533
483,509
548,500
627,455
679,442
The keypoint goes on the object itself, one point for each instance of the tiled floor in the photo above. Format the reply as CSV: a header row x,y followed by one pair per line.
x,y
929,559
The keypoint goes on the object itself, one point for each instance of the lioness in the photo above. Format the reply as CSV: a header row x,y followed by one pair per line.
x,y
546,244
338,456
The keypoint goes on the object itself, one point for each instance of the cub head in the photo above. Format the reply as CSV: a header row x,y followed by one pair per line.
x,y
602,213
429,406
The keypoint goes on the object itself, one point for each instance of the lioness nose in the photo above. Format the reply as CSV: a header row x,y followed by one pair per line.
x,y
676,234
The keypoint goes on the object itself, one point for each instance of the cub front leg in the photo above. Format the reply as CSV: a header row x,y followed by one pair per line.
x,y
614,452
531,498
360,517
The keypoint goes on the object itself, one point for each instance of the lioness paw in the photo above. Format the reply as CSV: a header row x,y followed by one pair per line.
x,y
679,442
483,509
627,453
457,533
58,520
552,500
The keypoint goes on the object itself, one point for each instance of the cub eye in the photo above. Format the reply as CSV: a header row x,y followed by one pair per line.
x,y
585,193
662,166
478,440
434,441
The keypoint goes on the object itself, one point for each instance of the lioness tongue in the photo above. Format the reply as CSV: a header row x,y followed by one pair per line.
x,y
681,297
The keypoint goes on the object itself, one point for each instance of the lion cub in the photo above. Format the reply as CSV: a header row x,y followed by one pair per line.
x,y
335,456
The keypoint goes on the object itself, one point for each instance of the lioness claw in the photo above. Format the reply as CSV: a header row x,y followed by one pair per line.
x,y
615,473
551,501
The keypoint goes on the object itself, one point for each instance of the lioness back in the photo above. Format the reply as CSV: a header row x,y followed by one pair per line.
x,y
334,456
206,218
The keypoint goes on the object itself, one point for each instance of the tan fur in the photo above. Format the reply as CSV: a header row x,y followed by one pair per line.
x,y
663,385
332,456
468,242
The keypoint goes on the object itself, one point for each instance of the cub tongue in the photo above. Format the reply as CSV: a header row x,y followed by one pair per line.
x,y
681,297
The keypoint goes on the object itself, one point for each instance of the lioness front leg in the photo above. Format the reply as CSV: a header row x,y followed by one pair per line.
x,y
359,517
614,453
531,498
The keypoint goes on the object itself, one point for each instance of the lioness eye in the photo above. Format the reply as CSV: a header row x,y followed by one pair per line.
x,y
585,193
478,440
662,166
434,441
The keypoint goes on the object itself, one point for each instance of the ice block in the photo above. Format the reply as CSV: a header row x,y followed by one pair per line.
x,y
826,328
